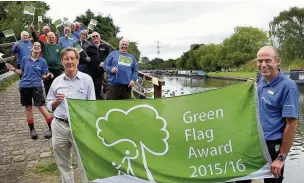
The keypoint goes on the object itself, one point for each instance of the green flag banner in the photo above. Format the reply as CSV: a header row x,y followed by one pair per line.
x,y
30,10
91,26
39,18
209,137
65,20
93,22
79,48
8,33
58,23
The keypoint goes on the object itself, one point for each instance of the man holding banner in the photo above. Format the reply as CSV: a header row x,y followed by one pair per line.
x,y
81,26
71,84
97,52
22,48
77,31
43,37
67,40
84,59
122,72
278,109
51,53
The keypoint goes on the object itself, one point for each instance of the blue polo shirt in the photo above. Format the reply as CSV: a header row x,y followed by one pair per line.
x,y
67,42
23,49
76,34
32,72
278,99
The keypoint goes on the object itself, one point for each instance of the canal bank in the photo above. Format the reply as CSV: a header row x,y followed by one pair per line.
x,y
239,76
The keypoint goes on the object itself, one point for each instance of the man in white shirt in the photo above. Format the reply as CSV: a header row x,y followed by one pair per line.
x,y
71,84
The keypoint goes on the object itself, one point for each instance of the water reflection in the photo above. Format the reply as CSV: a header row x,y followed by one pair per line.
x,y
295,160
175,86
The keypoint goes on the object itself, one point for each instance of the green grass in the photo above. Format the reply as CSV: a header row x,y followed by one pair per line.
x,y
234,74
149,94
8,82
47,167
147,83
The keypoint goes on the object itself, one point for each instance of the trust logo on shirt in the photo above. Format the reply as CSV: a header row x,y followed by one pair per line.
x,y
270,92
57,50
266,101
80,90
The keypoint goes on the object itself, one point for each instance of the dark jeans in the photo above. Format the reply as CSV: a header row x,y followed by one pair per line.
x,y
97,80
118,92
48,82
271,144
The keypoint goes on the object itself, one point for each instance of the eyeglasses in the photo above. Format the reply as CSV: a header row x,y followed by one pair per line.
x,y
95,36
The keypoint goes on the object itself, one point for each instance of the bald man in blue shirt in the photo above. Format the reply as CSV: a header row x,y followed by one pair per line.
x,y
278,110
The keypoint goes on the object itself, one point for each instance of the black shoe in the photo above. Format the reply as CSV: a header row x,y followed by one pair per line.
x,y
33,134
48,134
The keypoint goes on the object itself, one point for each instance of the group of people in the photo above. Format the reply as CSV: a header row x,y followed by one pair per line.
x,y
82,77
66,73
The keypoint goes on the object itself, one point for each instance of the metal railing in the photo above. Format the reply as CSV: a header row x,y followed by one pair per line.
x,y
157,84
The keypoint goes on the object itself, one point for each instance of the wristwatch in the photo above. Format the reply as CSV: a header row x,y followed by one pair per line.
x,y
281,157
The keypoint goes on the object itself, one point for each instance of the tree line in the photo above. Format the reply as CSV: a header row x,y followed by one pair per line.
x,y
238,52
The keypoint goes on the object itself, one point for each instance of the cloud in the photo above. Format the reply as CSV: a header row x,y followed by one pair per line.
x,y
176,24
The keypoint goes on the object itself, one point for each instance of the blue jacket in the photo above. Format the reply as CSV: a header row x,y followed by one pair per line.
x,y
67,42
77,34
127,68
23,49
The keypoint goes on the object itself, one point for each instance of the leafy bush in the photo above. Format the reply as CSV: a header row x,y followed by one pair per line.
x,y
250,66
296,64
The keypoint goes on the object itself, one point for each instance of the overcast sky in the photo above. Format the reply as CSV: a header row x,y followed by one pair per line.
x,y
176,24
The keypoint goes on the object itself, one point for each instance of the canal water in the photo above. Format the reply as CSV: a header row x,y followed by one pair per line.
x,y
294,169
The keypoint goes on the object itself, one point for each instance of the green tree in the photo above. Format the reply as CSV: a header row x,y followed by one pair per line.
x,y
205,55
12,16
168,64
243,45
156,63
287,30
105,26
133,48
179,63
145,60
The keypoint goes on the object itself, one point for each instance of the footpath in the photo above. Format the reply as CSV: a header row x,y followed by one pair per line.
x,y
23,160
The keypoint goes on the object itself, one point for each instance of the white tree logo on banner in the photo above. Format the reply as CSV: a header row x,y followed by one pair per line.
x,y
141,147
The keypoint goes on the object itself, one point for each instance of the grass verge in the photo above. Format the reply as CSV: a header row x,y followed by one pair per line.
x,y
47,167
233,74
6,83
46,171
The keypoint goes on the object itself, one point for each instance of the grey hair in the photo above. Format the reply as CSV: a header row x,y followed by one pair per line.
x,y
65,50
